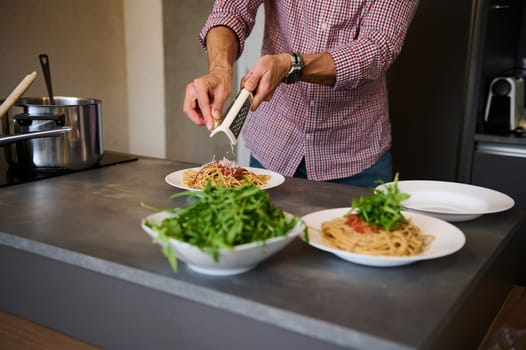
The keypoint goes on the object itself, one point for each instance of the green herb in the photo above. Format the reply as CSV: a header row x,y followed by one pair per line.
x,y
220,217
382,208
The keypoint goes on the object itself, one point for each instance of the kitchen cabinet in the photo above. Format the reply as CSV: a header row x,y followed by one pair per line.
x,y
500,163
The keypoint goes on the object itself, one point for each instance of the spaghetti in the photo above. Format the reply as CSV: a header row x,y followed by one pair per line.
x,y
354,235
223,173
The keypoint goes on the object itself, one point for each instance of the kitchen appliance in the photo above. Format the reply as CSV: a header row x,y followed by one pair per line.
x,y
12,175
75,133
505,105
50,136
235,117
57,149
51,132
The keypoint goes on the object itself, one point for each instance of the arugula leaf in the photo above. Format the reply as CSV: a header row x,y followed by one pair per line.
x,y
220,217
382,209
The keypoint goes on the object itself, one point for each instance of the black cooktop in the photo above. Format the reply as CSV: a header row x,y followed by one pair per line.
x,y
10,175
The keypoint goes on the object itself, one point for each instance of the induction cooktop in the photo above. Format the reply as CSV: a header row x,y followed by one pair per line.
x,y
10,175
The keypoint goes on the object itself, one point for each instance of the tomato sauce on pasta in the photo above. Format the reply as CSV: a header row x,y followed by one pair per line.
x,y
223,173
352,234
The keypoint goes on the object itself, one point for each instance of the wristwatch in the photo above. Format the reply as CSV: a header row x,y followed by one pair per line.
x,y
296,69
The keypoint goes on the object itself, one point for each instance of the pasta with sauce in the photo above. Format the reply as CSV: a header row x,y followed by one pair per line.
x,y
352,234
223,173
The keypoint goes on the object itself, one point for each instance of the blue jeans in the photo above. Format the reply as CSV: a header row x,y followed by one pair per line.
x,y
381,170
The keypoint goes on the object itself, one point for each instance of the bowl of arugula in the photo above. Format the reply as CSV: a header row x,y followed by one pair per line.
x,y
222,231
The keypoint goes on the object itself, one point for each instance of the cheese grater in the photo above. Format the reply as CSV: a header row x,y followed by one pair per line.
x,y
236,115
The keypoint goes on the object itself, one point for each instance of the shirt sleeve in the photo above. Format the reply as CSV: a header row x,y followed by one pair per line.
x,y
238,15
378,43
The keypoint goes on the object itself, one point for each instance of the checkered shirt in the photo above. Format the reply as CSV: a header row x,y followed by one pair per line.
x,y
342,129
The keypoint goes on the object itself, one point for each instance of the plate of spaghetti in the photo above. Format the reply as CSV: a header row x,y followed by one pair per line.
x,y
223,173
341,232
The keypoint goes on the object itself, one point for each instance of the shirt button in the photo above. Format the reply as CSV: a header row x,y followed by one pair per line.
x,y
324,26
307,136
312,103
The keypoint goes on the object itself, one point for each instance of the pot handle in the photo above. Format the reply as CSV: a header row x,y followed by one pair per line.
x,y
5,140
26,119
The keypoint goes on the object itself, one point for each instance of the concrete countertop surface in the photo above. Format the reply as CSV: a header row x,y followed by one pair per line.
x,y
91,220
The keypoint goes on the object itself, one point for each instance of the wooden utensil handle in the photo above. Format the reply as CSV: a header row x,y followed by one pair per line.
x,y
17,92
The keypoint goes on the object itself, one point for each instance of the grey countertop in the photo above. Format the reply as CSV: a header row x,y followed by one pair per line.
x,y
90,222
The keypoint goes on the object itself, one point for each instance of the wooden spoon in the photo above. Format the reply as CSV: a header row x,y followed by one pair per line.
x,y
17,92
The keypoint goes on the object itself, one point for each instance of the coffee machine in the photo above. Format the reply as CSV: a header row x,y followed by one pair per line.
x,y
505,112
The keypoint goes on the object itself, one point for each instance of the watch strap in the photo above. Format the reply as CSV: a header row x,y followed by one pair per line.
x,y
299,59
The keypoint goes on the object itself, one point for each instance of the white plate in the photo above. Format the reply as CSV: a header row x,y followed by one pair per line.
x,y
452,201
448,239
176,178
238,260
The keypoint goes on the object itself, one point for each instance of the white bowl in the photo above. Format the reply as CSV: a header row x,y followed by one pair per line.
x,y
238,260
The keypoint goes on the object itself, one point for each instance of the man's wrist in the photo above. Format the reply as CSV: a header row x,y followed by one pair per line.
x,y
296,69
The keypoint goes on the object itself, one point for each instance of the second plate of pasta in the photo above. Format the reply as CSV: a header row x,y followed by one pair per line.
x,y
446,239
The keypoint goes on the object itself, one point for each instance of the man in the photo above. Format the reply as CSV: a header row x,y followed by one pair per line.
x,y
320,108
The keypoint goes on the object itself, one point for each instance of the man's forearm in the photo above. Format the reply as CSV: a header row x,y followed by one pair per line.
x,y
319,69
222,46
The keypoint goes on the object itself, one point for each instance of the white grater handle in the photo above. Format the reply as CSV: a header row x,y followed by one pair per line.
x,y
235,117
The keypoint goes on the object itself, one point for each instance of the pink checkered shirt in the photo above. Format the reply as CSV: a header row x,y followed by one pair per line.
x,y
343,129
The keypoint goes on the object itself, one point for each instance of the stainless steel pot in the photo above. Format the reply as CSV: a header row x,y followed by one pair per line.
x,y
66,134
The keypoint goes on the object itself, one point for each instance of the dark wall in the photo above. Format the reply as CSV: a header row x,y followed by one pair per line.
x,y
426,91
439,85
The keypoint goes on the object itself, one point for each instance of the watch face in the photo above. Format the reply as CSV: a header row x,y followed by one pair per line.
x,y
293,77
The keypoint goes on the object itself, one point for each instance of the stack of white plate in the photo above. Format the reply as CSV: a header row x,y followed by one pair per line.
x,y
452,201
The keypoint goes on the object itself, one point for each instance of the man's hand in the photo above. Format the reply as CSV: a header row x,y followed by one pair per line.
x,y
205,96
263,79
270,70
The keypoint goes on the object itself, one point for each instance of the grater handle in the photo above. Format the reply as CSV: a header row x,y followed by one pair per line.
x,y
235,117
